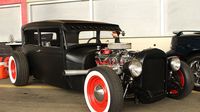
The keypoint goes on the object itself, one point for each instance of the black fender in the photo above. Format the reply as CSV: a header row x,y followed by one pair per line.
x,y
175,53
80,57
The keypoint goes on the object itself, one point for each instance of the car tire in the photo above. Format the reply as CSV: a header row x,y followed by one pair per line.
x,y
182,83
194,63
18,69
103,90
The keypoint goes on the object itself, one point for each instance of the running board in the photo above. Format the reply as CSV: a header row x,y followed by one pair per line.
x,y
75,72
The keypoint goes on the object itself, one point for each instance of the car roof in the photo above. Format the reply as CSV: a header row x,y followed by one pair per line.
x,y
187,33
73,24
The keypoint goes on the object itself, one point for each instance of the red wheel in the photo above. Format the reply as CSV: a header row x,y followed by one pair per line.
x,y
181,83
99,89
13,70
181,77
18,69
98,92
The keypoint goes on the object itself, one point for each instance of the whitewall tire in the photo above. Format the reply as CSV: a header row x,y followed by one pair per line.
x,y
103,90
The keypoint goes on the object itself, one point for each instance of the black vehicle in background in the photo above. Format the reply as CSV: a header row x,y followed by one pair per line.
x,y
107,72
186,45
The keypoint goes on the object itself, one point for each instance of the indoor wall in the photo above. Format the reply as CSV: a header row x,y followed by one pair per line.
x,y
147,23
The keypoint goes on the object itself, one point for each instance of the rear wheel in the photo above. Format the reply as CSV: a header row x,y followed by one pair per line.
x,y
194,63
181,82
103,90
18,69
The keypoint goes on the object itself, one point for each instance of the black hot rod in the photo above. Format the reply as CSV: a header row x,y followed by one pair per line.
x,y
52,51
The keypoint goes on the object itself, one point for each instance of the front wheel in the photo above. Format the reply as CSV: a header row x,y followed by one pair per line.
x,y
181,82
103,90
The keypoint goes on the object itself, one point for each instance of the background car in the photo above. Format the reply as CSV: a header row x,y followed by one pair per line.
x,y
186,45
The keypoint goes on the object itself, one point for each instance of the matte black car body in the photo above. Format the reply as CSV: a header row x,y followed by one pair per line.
x,y
108,71
51,61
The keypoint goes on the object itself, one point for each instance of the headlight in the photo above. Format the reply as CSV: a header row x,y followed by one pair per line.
x,y
175,63
135,68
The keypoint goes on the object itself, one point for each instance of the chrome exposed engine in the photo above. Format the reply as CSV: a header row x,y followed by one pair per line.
x,y
112,58
123,62
115,56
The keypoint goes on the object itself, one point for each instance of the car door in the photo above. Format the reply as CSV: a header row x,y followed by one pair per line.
x,y
47,59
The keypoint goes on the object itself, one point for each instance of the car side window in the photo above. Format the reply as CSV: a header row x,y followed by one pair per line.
x,y
50,38
31,37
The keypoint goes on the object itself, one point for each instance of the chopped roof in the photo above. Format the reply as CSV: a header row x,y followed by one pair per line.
x,y
71,24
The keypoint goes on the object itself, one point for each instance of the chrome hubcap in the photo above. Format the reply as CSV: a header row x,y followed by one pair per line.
x,y
99,93
195,67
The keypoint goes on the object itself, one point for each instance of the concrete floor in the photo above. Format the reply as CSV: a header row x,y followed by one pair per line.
x,y
38,97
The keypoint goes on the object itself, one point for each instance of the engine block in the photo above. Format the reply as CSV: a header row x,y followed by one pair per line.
x,y
114,58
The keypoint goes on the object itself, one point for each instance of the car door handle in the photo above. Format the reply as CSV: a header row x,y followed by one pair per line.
x,y
38,50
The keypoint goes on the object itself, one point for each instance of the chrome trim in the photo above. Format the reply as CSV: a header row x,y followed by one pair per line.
x,y
175,62
75,72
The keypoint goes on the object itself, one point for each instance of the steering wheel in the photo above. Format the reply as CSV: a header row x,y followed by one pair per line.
x,y
98,40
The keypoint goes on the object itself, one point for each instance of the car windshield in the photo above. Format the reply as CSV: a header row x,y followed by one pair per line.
x,y
84,36
90,34
76,37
